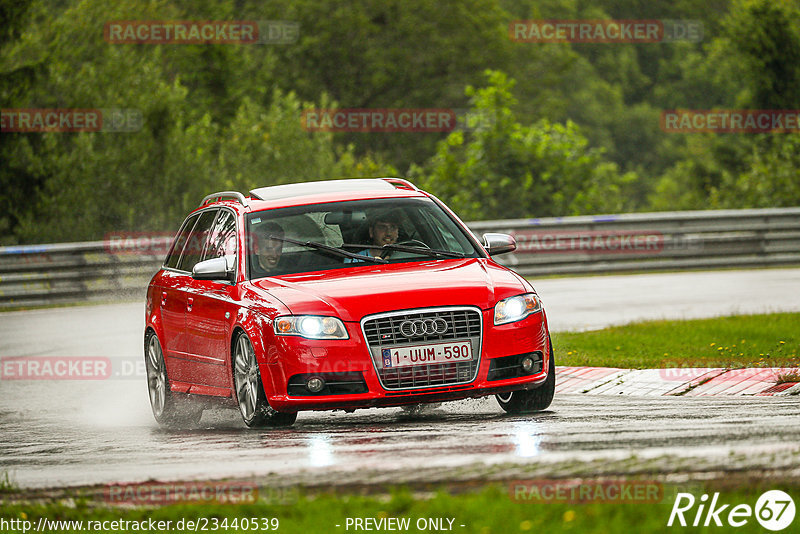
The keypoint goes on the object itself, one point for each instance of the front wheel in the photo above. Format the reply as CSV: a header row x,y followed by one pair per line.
x,y
256,411
533,400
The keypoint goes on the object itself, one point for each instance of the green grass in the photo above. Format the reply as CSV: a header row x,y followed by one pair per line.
x,y
7,485
771,340
790,376
490,510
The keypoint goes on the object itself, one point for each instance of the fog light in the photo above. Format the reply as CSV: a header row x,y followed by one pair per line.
x,y
315,384
527,364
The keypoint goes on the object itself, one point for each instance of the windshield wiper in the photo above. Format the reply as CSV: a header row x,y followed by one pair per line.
x,y
407,248
327,248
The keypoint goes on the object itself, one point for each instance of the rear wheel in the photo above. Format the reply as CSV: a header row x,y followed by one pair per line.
x,y
256,411
532,400
167,408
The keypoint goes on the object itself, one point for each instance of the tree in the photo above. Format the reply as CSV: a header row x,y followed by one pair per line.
x,y
92,183
755,64
17,184
389,54
509,170
766,38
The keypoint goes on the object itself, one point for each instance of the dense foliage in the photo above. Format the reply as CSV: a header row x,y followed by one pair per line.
x,y
568,128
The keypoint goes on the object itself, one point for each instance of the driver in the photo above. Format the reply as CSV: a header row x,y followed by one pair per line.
x,y
384,228
267,251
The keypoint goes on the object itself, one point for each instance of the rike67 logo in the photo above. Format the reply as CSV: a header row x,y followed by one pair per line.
x,y
774,510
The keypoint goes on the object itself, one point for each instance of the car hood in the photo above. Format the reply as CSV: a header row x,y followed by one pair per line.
x,y
352,293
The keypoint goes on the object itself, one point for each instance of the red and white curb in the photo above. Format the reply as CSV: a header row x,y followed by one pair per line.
x,y
688,382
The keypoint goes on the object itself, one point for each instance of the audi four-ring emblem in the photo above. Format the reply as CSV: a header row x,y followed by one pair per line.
x,y
423,327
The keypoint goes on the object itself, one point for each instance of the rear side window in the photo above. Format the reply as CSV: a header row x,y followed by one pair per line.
x,y
193,250
180,242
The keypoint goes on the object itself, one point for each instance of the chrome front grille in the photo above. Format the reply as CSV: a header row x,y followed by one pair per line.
x,y
437,374
462,323
383,331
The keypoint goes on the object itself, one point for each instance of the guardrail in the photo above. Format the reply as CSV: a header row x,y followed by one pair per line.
x,y
651,241
32,275
43,274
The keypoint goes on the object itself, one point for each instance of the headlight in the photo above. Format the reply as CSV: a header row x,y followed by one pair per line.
x,y
310,326
516,308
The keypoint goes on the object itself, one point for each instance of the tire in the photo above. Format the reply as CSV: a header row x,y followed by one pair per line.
x,y
168,409
249,389
532,400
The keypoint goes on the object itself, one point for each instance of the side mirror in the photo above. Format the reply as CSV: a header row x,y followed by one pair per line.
x,y
213,269
499,243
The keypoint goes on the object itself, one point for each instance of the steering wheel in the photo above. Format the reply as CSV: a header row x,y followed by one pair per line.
x,y
413,243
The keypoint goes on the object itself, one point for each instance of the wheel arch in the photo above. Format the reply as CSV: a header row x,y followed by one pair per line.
x,y
148,331
154,329
256,334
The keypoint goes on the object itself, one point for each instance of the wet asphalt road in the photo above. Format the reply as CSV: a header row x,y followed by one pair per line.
x,y
56,433
93,440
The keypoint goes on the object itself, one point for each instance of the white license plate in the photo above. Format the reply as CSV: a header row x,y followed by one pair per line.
x,y
426,354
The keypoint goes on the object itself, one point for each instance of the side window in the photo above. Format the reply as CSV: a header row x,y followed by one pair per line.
x,y
222,239
198,237
180,242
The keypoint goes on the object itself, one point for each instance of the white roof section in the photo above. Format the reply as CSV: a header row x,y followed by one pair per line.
x,y
302,189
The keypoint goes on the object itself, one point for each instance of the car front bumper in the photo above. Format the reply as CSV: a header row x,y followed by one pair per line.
x,y
298,356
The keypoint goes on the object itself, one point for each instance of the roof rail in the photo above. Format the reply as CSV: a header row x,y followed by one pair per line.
x,y
225,194
399,183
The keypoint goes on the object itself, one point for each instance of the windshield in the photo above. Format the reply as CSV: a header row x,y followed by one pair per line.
x,y
343,235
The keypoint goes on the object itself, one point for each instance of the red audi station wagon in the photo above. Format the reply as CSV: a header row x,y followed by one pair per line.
x,y
340,294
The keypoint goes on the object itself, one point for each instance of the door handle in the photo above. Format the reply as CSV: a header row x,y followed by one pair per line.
x,y
163,298
189,303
